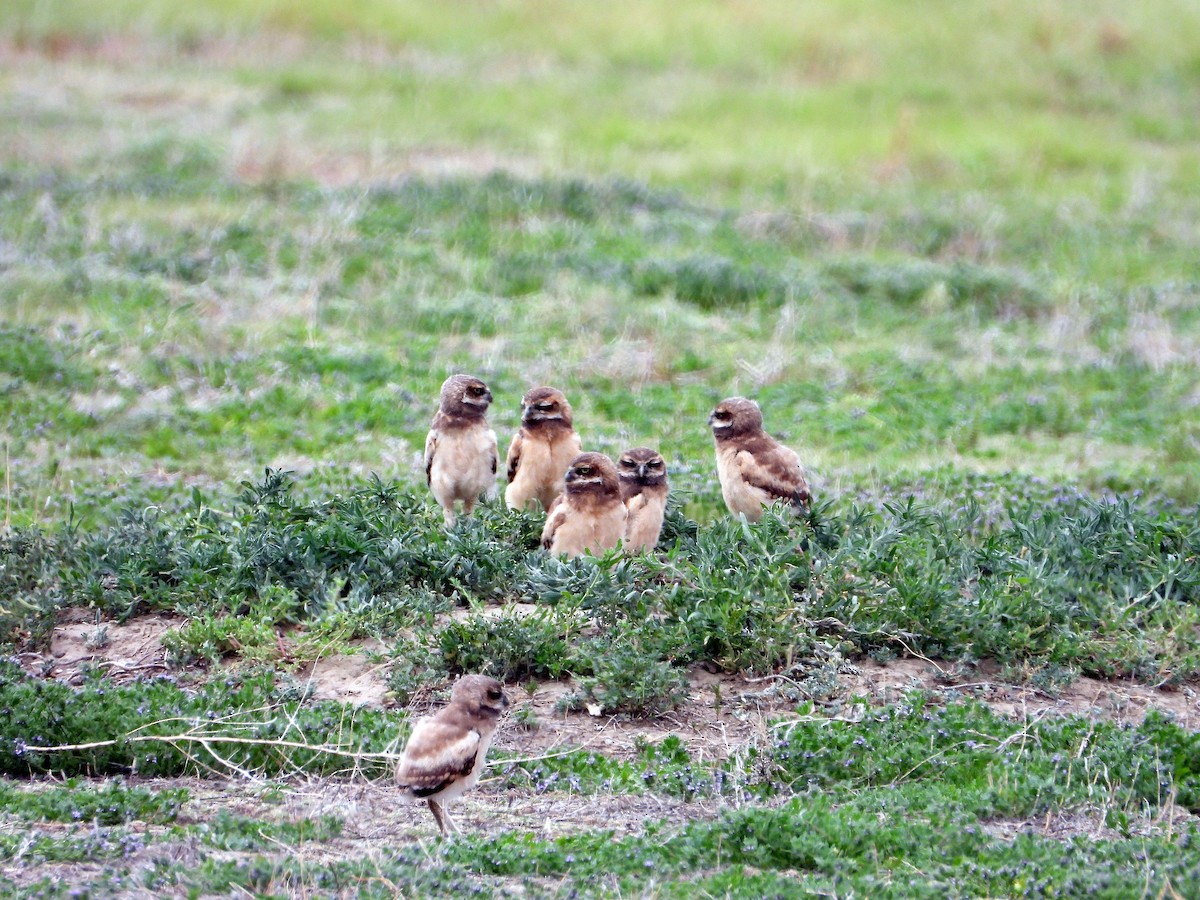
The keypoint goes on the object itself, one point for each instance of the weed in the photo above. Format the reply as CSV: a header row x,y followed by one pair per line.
x,y
625,678
510,647
156,728
111,803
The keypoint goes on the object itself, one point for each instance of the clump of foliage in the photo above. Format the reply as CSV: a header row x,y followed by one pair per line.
x,y
131,722
509,647
1036,577
110,803
228,831
29,591
664,768
628,675
1000,767
892,802
292,561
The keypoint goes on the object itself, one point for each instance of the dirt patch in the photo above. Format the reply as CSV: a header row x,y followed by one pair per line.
x,y
350,678
376,819
721,715
723,712
1119,701
125,650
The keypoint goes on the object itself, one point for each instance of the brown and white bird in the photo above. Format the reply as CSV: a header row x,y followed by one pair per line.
x,y
541,450
445,752
643,475
460,450
755,469
588,517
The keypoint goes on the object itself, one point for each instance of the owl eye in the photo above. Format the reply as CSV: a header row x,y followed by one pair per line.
x,y
494,693
655,464
544,405
585,470
628,463
477,391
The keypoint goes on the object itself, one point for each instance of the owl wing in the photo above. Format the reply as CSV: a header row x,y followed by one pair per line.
x,y
776,471
514,456
431,444
436,756
555,516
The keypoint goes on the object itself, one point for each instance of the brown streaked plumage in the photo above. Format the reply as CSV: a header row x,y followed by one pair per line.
x,y
541,450
445,753
588,517
643,475
460,450
755,469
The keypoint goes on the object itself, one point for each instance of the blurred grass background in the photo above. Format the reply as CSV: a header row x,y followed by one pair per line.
x,y
941,237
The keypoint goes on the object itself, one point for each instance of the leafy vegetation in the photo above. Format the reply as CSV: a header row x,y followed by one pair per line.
x,y
243,724
908,800
112,803
1027,574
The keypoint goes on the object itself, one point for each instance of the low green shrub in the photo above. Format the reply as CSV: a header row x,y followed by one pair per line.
x,y
110,803
129,726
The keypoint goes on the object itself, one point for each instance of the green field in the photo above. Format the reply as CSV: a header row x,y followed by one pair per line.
x,y
950,248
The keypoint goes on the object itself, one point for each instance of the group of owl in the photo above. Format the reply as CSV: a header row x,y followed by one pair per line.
x,y
591,504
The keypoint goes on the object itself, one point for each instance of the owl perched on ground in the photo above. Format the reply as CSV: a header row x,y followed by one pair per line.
x,y
588,517
643,476
541,450
460,450
755,469
445,753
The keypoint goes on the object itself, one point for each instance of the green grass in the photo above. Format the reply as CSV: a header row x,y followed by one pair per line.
x,y
170,355
952,252
915,799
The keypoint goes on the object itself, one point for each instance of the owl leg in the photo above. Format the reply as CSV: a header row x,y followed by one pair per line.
x,y
439,815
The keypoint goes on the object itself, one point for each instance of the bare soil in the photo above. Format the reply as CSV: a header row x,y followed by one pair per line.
x,y
724,715
377,822
723,712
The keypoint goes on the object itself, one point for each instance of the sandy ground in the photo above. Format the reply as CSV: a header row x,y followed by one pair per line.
x,y
724,715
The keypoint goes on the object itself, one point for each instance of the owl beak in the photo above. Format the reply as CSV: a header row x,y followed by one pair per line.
x,y
642,471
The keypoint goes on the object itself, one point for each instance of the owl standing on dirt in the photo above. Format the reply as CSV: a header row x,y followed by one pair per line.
x,y
643,476
588,517
755,470
541,450
445,754
460,450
